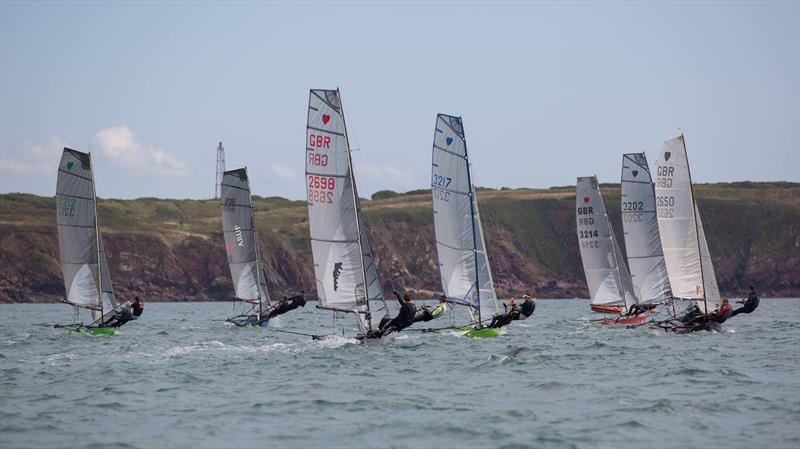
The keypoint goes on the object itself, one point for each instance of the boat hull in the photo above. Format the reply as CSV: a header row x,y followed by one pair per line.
x,y
625,321
616,310
94,331
485,332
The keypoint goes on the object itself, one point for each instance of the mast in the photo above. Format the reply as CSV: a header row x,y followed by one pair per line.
x,y
97,241
474,231
696,230
255,245
358,212
613,243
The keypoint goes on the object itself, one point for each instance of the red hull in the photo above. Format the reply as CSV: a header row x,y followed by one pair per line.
x,y
607,309
638,319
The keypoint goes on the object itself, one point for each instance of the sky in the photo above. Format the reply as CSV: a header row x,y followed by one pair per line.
x,y
547,91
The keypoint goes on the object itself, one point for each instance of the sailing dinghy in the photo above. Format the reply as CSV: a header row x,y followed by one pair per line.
x,y
646,262
688,261
345,271
241,245
607,276
83,258
463,263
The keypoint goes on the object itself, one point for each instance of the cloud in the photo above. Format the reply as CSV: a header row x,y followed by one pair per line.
x,y
119,144
284,172
30,158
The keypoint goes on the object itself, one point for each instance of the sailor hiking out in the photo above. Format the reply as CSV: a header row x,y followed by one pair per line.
x,y
748,305
429,313
405,317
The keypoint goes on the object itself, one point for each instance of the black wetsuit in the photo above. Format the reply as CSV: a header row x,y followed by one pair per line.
x,y
121,317
636,309
505,318
750,304
525,310
404,318
287,305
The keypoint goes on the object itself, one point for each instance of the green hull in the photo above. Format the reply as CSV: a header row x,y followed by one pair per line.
x,y
486,332
95,331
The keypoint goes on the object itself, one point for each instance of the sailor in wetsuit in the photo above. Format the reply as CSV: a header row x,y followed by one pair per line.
x,y
507,317
722,315
288,304
526,309
128,311
750,304
405,317
428,313
636,309
514,312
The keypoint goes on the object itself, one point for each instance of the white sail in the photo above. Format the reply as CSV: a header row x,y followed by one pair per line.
x,y
343,265
678,223
709,276
241,240
83,261
463,262
640,225
607,275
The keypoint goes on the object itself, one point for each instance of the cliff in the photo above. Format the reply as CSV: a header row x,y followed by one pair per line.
x,y
173,250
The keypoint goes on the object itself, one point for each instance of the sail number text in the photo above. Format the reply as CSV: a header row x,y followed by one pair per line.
x,y
318,159
66,206
587,237
665,206
319,189
315,141
664,177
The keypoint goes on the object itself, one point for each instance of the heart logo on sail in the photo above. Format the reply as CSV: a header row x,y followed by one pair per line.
x,y
586,200
449,140
635,173
70,164
326,118
667,154
228,248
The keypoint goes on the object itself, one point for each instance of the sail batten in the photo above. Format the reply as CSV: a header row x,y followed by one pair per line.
x,y
460,246
607,275
688,263
344,268
241,239
646,262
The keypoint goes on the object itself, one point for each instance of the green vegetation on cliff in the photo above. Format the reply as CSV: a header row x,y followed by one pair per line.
x,y
172,249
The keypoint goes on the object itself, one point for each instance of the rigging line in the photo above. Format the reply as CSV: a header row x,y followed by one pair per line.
x,y
314,336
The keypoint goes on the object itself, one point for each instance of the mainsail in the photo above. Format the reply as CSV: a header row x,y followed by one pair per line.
x,y
463,263
343,264
640,225
691,272
241,241
607,275
81,252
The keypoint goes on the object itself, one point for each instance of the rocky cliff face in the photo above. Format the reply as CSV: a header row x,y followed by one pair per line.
x,y
173,250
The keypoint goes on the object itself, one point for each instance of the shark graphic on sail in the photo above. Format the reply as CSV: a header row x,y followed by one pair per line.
x,y
344,268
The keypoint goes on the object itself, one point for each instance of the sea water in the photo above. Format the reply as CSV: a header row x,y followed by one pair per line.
x,y
179,377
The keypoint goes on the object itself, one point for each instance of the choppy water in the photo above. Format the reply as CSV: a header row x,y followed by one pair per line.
x,y
176,378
